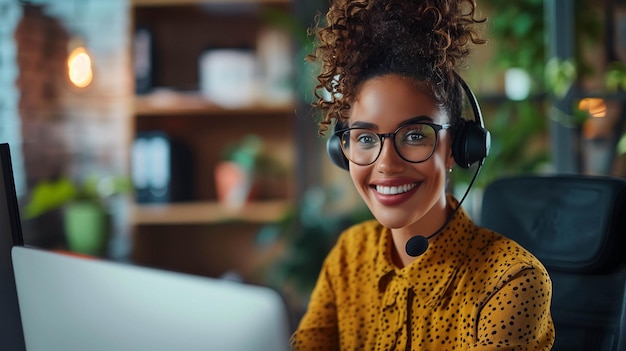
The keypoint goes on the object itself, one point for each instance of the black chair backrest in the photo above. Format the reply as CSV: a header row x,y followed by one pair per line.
x,y
576,226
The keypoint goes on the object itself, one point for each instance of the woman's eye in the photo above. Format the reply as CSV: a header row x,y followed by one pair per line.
x,y
416,135
366,139
413,137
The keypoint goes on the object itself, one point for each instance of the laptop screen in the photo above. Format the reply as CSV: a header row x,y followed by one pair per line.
x,y
11,337
74,303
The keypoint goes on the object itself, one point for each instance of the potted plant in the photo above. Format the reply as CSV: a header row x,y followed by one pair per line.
x,y
86,217
246,172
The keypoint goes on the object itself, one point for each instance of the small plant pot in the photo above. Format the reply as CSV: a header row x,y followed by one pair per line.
x,y
86,228
234,186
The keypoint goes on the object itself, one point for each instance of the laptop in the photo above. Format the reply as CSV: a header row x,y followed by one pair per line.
x,y
69,302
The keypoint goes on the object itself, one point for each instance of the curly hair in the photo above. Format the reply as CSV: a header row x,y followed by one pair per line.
x,y
421,39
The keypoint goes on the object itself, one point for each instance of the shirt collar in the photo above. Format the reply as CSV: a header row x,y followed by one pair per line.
x,y
431,273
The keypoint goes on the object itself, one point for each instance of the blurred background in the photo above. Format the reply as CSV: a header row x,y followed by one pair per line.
x,y
178,134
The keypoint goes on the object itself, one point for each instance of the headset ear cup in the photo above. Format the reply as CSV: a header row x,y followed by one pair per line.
x,y
333,149
458,144
471,144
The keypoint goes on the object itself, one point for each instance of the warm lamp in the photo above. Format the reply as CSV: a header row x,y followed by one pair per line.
x,y
79,64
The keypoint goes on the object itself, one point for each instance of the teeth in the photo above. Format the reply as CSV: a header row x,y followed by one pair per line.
x,y
394,190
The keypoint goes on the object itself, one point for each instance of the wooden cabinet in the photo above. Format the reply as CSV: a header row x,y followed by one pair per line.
x,y
200,234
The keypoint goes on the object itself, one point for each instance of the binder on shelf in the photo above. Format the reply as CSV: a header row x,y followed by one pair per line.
x,y
162,168
144,60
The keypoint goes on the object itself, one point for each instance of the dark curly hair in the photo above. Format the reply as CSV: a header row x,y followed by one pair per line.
x,y
421,39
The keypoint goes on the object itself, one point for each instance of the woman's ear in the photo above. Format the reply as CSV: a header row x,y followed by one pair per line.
x,y
450,161
454,135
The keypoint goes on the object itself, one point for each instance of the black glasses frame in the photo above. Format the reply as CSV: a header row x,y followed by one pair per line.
x,y
392,136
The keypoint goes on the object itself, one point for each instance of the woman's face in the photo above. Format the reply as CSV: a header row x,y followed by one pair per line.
x,y
401,195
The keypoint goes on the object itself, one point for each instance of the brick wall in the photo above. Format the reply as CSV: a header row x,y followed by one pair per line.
x,y
66,130
10,15
41,42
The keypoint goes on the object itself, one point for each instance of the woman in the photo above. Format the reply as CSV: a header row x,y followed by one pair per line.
x,y
390,69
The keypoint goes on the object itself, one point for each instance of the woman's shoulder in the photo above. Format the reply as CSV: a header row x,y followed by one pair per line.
x,y
497,255
360,240
366,233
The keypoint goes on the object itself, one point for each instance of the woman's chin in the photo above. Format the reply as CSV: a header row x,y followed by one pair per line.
x,y
392,219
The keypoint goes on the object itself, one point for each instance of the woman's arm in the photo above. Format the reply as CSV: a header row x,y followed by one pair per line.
x,y
318,328
517,317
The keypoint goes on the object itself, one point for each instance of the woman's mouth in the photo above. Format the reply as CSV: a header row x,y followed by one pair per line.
x,y
392,195
395,190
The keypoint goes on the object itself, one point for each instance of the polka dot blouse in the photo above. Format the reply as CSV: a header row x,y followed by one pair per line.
x,y
473,289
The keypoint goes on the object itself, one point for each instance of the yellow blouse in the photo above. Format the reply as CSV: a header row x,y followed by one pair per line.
x,y
473,289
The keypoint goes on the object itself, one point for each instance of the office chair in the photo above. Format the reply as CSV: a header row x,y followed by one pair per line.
x,y
576,226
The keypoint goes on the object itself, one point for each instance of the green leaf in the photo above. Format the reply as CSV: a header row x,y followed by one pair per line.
x,y
49,195
616,76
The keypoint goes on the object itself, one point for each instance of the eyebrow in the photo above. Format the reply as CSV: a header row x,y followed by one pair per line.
x,y
413,120
367,125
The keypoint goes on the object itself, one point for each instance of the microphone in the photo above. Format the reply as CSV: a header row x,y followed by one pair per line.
x,y
417,245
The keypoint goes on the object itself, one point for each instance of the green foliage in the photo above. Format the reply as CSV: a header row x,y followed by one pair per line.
x,y
248,153
616,77
285,21
518,144
560,75
520,129
518,30
244,152
49,194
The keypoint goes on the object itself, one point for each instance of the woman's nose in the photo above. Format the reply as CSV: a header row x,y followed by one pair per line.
x,y
389,161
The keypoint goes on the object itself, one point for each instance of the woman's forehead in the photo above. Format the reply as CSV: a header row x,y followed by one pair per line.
x,y
393,99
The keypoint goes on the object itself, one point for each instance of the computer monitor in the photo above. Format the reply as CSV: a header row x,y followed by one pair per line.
x,y
11,337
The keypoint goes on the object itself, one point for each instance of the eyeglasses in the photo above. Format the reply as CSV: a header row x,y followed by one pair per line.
x,y
414,142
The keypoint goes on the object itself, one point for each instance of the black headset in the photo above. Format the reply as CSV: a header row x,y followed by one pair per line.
x,y
470,143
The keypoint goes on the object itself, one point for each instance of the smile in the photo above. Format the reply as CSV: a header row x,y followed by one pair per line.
x,y
394,190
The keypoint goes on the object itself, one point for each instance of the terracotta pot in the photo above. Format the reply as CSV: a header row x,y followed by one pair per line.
x,y
234,186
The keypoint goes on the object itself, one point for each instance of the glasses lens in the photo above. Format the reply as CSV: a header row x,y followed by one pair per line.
x,y
416,142
360,146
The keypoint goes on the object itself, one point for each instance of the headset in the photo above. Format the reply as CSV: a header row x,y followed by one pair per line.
x,y
470,142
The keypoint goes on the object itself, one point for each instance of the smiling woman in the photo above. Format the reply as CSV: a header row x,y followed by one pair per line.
x,y
422,275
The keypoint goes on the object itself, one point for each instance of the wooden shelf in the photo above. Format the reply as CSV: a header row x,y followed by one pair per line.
x,y
173,103
218,239
208,212
137,3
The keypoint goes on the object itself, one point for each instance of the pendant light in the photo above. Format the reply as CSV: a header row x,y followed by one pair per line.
x,y
79,64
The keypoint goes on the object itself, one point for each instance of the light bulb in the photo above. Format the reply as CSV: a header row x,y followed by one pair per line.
x,y
79,67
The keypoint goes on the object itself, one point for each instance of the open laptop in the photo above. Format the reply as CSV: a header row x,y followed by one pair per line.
x,y
70,303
